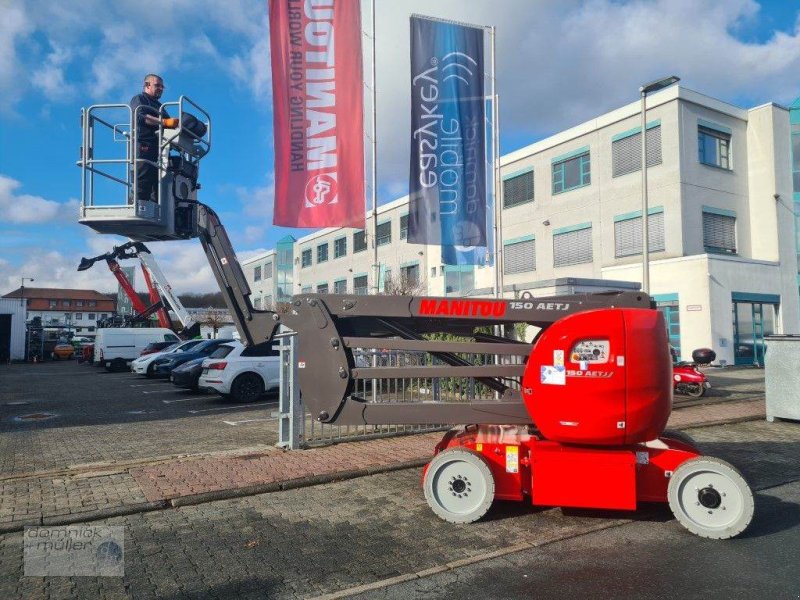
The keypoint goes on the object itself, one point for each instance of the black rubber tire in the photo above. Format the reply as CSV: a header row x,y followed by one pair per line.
x,y
679,436
149,372
247,387
118,365
695,390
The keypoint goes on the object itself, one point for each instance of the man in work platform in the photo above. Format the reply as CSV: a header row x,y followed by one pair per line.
x,y
149,117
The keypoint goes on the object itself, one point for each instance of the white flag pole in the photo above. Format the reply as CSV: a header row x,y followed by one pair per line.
x,y
375,264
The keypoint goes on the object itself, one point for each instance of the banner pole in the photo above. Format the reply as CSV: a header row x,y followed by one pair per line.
x,y
375,265
496,184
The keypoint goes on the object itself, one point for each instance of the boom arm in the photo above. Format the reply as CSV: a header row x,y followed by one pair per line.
x,y
329,327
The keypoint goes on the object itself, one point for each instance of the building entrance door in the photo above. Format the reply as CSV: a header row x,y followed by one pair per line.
x,y
751,322
5,338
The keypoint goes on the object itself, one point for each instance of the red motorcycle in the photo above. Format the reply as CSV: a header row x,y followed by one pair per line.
x,y
687,379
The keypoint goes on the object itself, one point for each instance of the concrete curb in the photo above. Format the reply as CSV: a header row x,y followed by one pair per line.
x,y
91,515
205,497
291,484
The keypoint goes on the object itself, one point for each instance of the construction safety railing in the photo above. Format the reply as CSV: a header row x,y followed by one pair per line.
x,y
299,430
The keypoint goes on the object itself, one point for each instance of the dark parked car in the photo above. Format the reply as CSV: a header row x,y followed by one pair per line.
x,y
187,374
162,366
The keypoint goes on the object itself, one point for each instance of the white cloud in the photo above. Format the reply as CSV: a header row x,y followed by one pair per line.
x,y
50,77
253,234
257,202
28,209
135,37
183,263
562,63
253,69
13,26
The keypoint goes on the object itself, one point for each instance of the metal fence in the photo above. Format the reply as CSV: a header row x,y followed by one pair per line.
x,y
299,430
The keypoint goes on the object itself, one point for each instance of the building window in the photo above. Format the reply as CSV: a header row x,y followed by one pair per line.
x,y
387,279
359,241
360,285
714,147
78,302
65,303
267,302
519,256
92,316
257,273
719,232
104,316
78,316
796,156
383,233
67,317
409,276
306,289
257,303
305,258
322,288
404,227
322,253
571,173
628,235
52,303
572,247
340,286
626,152
340,247
459,280
433,271
92,303
268,270
90,329
518,189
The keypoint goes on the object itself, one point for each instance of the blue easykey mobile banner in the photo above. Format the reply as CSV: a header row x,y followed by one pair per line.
x,y
447,183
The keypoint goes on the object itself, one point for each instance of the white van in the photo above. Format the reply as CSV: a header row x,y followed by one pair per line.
x,y
116,347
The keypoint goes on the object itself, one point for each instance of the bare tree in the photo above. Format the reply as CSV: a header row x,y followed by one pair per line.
x,y
404,286
213,318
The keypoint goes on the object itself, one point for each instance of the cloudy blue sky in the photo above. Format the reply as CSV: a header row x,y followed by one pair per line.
x,y
559,63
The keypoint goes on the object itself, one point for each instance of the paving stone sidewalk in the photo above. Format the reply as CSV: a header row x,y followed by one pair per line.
x,y
91,495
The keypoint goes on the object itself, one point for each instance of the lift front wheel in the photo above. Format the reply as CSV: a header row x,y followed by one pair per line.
x,y
710,498
459,486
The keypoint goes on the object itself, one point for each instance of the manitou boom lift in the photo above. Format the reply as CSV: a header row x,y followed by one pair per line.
x,y
578,422
157,285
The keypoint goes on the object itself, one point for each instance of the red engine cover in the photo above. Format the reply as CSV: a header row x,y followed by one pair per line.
x,y
601,377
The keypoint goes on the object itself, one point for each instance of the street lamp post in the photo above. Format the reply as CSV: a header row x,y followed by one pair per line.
x,y
22,281
653,86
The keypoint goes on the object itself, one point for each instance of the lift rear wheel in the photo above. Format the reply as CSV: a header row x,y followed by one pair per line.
x,y
459,486
710,498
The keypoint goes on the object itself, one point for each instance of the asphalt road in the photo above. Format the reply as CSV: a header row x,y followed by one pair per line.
x,y
56,415
638,560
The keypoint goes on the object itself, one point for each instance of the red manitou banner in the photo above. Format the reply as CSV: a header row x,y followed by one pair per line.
x,y
318,112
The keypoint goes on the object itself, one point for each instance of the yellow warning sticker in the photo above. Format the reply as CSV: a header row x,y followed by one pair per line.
x,y
512,459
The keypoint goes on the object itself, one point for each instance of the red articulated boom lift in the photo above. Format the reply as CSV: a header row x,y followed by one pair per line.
x,y
157,287
579,422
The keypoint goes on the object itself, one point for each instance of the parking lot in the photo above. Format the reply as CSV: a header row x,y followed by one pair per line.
x,y
63,415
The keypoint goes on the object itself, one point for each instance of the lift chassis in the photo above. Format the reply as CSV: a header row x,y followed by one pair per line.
x,y
575,418
582,416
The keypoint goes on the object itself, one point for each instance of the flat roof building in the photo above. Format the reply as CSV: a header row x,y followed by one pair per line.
x,y
723,251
